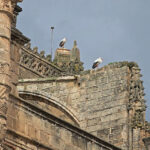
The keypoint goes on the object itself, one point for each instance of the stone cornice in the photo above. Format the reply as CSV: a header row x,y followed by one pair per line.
x,y
17,36
57,79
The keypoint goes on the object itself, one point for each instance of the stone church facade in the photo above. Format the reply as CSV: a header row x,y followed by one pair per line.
x,y
56,105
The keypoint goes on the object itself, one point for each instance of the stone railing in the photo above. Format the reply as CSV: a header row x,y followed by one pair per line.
x,y
38,63
42,65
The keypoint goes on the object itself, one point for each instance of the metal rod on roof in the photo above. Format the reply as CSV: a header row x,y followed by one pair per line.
x,y
52,30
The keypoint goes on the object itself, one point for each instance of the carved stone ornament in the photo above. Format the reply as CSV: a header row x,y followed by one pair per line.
x,y
36,62
3,108
136,99
138,120
4,67
147,126
5,3
8,5
4,95
3,131
4,92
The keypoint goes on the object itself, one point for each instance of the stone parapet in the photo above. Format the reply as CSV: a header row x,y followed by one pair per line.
x,y
37,63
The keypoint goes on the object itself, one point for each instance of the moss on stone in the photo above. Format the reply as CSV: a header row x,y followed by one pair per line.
x,y
124,63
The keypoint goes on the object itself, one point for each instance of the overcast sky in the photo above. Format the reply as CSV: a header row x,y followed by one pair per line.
x,y
116,30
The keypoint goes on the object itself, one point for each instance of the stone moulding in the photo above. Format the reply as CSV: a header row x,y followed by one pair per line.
x,y
13,132
50,79
17,36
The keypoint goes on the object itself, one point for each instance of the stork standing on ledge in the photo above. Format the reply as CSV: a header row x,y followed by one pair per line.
x,y
97,62
62,42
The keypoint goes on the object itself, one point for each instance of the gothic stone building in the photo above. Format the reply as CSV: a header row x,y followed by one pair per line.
x,y
55,105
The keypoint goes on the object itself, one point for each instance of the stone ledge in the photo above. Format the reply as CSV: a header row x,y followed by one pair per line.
x,y
63,78
13,132
112,66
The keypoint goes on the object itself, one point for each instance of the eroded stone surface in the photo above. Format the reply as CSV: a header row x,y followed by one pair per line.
x,y
101,100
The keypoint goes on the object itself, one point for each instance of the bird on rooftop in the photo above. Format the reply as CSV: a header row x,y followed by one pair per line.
x,y
62,42
97,62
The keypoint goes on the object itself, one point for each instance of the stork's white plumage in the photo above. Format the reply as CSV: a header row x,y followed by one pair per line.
x,y
62,42
97,62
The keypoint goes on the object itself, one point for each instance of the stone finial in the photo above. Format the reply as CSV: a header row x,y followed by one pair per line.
x,y
42,54
28,46
49,58
35,50
75,52
75,44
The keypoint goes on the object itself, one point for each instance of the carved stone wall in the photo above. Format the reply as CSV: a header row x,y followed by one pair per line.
x,y
107,102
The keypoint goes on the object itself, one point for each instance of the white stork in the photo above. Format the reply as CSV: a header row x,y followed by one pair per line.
x,y
97,62
62,42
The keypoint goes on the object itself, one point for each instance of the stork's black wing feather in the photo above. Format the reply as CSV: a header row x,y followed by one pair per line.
x,y
94,65
61,44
